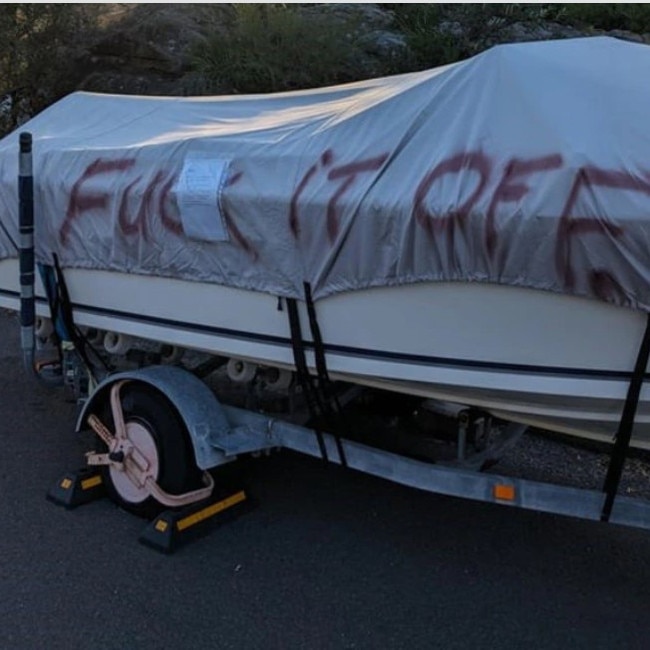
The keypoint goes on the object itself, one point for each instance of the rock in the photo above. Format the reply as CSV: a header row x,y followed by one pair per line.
x,y
146,49
367,17
543,31
128,51
451,28
370,25
384,43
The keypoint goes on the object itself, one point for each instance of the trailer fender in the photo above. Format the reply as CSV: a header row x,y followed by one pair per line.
x,y
201,412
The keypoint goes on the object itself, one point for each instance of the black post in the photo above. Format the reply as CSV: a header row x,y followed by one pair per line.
x,y
26,255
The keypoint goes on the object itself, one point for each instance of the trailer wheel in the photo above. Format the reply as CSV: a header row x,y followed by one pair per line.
x,y
157,430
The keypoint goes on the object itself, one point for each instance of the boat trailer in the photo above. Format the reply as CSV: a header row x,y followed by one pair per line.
x,y
220,434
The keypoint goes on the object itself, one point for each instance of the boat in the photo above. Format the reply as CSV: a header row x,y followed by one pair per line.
x,y
474,233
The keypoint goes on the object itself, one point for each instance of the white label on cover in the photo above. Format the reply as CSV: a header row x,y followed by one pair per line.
x,y
198,195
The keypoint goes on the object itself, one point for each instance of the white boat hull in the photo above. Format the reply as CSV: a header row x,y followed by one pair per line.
x,y
548,360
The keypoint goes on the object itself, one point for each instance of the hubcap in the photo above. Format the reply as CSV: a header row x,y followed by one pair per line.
x,y
145,454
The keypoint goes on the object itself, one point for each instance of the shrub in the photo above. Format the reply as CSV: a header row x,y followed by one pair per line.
x,y
632,17
428,46
268,48
444,33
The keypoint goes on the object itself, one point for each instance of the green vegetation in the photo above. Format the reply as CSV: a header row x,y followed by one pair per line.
x,y
35,52
272,47
280,47
248,48
438,34
443,33
631,17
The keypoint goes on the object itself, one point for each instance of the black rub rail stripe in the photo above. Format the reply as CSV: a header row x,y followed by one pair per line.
x,y
353,351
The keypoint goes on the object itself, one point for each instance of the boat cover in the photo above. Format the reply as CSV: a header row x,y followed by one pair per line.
x,y
526,165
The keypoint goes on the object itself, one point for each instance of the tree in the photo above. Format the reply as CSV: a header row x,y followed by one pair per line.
x,y
37,45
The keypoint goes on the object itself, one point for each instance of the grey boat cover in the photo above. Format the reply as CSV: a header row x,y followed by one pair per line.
x,y
526,165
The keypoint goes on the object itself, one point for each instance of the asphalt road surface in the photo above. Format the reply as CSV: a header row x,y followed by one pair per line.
x,y
330,559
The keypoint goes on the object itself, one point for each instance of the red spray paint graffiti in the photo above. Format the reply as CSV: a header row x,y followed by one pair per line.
x,y
513,186
511,189
137,211
232,226
324,161
473,161
155,202
587,179
81,201
168,221
347,173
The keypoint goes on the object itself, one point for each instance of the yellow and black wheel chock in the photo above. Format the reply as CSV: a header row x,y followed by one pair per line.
x,y
77,488
174,528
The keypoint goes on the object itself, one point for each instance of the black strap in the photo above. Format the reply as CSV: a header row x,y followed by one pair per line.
x,y
64,308
304,378
319,351
331,406
626,425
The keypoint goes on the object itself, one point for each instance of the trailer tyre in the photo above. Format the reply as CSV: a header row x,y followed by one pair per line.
x,y
156,428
